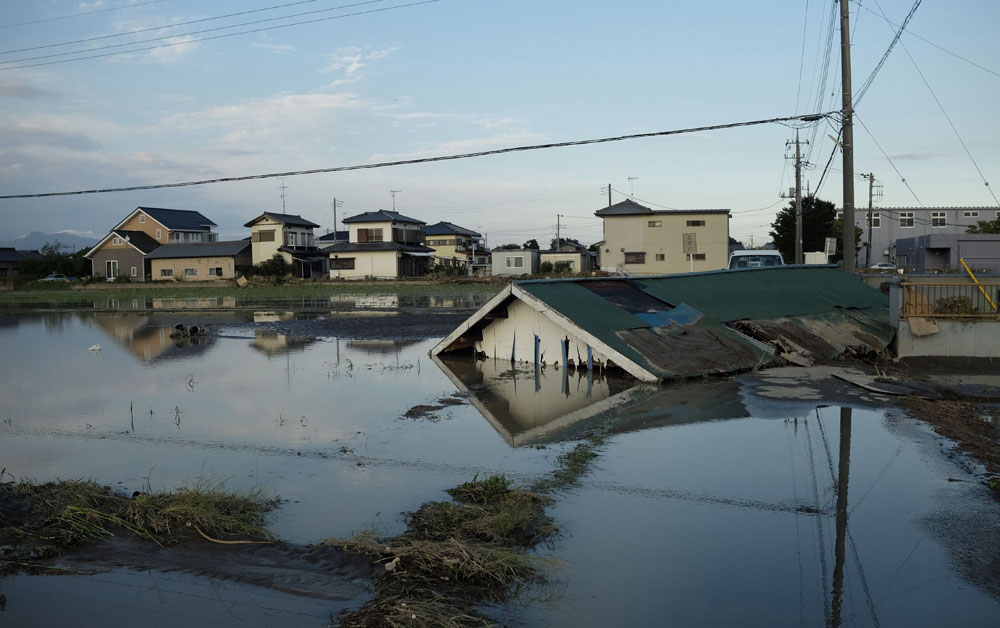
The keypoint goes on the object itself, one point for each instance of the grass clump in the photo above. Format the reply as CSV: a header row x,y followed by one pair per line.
x,y
571,466
42,520
453,555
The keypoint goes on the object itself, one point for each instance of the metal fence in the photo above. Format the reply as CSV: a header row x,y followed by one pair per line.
x,y
951,300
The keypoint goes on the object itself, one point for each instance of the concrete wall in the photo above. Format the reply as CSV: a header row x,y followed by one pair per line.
x,y
374,264
201,266
955,338
662,235
529,261
514,338
128,258
890,227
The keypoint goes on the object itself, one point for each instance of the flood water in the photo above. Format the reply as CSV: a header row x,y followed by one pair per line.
x,y
709,504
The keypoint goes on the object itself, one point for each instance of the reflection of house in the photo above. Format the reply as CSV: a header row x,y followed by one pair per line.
x,y
379,347
382,245
569,257
455,246
203,261
123,251
514,262
290,236
150,341
271,342
640,241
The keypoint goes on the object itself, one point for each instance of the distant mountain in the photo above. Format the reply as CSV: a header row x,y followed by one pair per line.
x,y
36,240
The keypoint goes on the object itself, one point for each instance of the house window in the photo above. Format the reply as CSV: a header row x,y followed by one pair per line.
x,y
133,271
698,257
215,271
515,262
971,214
166,272
876,221
906,220
696,223
190,272
370,235
660,257
939,219
263,236
115,241
159,234
635,258
840,214
655,223
342,263
142,218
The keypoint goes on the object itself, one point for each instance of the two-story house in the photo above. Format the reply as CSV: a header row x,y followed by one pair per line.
x,y
381,245
290,236
925,238
641,241
456,246
123,251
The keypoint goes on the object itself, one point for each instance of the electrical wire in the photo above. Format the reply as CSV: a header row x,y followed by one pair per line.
x,y
66,17
871,77
405,162
223,36
159,28
802,56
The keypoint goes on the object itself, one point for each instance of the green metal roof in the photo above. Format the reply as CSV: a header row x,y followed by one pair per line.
x,y
731,295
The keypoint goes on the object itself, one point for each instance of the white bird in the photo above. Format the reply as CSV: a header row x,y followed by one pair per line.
x,y
95,348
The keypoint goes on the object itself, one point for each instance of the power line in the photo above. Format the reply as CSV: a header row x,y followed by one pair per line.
x,y
884,154
878,66
405,162
802,55
159,28
947,117
193,41
65,17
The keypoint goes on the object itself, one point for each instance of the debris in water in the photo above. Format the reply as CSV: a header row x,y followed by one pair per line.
x,y
95,348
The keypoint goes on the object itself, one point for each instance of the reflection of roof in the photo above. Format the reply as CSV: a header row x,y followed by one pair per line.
x,y
382,215
447,228
200,249
179,219
285,219
629,207
353,247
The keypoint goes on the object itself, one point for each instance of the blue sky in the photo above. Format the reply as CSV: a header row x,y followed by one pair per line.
x,y
457,76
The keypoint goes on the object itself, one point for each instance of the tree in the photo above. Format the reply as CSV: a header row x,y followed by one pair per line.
x,y
735,245
276,267
985,226
553,245
818,218
509,247
838,227
545,267
531,244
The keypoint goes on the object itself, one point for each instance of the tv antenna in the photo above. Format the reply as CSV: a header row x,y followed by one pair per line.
x,y
393,192
282,187
631,186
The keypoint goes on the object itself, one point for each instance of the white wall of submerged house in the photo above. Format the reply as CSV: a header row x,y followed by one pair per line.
x,y
364,264
502,341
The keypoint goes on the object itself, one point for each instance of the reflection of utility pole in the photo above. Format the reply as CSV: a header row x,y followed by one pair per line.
x,y
843,474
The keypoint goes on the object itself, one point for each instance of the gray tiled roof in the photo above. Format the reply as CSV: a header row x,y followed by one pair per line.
x,y
382,215
448,228
285,219
227,248
351,247
179,219
9,255
628,207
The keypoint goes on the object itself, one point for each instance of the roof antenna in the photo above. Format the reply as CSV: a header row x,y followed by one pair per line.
x,y
631,187
393,192
282,187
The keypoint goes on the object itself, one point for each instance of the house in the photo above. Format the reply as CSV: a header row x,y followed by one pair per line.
x,y
381,245
678,326
200,261
641,241
10,259
515,262
290,236
123,251
942,251
456,246
332,237
890,225
569,257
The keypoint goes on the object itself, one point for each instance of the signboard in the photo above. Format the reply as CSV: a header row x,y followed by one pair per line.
x,y
690,243
831,246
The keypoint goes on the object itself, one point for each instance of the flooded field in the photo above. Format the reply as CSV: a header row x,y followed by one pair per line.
x,y
753,501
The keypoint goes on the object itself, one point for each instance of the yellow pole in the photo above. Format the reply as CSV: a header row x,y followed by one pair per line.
x,y
976,281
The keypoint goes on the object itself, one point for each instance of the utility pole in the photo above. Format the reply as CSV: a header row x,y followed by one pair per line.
x,y
558,216
847,123
334,205
796,193
871,189
609,195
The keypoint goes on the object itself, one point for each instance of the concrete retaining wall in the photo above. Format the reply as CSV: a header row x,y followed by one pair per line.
x,y
955,338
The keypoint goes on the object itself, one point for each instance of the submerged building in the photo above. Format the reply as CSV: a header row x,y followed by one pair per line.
x,y
677,326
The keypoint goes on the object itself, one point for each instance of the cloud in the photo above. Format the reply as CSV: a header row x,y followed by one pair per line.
x,y
27,135
82,234
472,145
352,60
14,90
92,5
917,156
274,48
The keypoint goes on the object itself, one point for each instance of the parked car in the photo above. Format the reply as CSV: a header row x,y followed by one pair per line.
x,y
755,259
883,266
54,277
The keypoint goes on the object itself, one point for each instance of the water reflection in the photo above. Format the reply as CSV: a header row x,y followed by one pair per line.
x,y
149,339
271,343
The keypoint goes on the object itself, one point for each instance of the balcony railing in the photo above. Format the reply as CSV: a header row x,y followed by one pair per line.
x,y
951,300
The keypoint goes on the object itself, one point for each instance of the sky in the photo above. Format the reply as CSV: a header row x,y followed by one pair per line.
x,y
196,97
